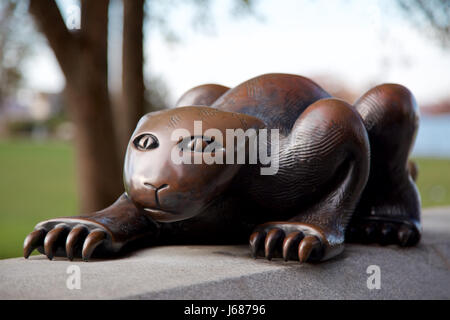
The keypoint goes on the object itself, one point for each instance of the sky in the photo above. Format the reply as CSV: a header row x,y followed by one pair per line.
x,y
360,43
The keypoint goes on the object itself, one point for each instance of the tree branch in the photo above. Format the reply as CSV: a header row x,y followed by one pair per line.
x,y
435,14
51,23
132,68
94,41
94,21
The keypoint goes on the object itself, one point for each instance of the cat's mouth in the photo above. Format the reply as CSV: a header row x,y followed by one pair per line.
x,y
162,215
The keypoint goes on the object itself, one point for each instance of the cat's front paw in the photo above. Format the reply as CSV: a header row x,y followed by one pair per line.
x,y
69,237
289,240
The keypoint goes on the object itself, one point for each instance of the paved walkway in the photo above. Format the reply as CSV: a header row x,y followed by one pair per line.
x,y
228,272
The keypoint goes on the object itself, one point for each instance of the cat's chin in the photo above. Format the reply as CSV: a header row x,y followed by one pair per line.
x,y
164,216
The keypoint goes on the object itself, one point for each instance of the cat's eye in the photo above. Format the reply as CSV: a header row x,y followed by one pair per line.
x,y
200,144
145,141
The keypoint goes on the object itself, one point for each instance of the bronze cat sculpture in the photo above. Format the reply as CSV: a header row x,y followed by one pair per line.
x,y
343,175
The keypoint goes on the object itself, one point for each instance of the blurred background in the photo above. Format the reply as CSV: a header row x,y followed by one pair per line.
x,y
75,76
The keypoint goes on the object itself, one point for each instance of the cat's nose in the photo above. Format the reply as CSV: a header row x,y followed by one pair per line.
x,y
148,194
153,187
152,198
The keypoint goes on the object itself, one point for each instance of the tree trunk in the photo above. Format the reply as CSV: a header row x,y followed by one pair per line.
x,y
83,60
132,106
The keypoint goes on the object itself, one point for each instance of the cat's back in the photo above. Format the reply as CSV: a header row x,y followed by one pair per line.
x,y
277,99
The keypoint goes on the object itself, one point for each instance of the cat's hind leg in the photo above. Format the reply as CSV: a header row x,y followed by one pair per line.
x,y
203,95
389,209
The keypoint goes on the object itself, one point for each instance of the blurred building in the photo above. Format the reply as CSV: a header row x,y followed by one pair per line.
x,y
440,107
30,110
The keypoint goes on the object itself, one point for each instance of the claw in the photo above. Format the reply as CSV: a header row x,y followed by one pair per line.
x,y
306,247
386,234
52,237
370,231
273,238
291,241
256,240
76,235
32,241
404,235
94,238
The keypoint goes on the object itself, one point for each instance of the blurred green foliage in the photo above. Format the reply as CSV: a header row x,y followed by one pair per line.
x,y
37,182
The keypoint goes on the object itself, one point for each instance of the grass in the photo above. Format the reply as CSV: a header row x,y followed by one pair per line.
x,y
37,182
434,181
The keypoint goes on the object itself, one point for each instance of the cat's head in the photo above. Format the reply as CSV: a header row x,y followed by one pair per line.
x,y
161,172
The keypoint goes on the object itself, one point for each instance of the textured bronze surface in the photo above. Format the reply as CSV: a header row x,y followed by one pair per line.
x,y
343,175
